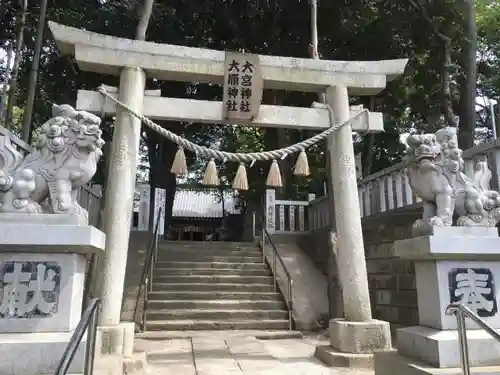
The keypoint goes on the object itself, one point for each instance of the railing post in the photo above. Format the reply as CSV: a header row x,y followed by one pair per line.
x,y
462,342
281,219
263,244
90,349
291,217
253,226
274,270
143,312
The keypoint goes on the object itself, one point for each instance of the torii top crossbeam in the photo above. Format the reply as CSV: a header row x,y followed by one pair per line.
x,y
107,54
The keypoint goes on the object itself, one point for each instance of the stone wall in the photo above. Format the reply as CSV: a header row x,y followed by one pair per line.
x,y
315,244
138,245
391,279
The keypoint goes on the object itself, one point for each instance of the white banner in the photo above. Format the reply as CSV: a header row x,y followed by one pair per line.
x,y
144,200
270,210
160,200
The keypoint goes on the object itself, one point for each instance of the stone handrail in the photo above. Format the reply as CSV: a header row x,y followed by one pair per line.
x,y
21,146
385,190
290,216
319,213
389,189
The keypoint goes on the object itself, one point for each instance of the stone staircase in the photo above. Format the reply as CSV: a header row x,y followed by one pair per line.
x,y
212,286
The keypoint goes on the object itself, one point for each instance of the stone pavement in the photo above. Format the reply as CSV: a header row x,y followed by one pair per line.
x,y
236,354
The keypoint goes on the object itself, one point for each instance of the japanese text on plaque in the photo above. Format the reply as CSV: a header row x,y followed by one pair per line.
x,y
242,86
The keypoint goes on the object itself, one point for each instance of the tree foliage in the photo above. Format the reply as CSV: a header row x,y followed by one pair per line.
x,y
347,29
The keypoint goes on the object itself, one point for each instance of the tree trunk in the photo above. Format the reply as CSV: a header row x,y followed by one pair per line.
x,y
3,106
168,180
161,153
497,122
277,138
154,152
91,288
106,150
368,144
17,62
144,18
446,84
28,109
447,98
282,141
334,290
282,138
467,104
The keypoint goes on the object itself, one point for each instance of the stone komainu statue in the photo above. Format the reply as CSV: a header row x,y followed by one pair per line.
x,y
435,170
64,159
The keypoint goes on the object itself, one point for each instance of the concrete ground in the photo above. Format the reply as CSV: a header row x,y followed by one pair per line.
x,y
232,354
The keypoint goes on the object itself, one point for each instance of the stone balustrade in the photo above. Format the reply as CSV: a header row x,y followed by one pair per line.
x,y
284,216
389,189
319,213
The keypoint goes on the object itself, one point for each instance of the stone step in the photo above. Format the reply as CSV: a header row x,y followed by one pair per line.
x,y
225,315
210,295
221,304
207,245
201,257
213,287
177,325
160,264
211,271
211,251
221,334
212,279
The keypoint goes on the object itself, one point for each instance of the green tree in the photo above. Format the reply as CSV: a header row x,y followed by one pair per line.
x,y
347,30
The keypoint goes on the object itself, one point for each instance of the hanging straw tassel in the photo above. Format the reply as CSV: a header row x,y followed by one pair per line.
x,y
210,178
301,165
240,181
274,176
179,166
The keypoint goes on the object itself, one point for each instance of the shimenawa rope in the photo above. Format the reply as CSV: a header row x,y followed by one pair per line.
x,y
210,178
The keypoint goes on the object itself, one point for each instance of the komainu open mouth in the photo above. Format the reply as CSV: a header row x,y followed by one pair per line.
x,y
427,157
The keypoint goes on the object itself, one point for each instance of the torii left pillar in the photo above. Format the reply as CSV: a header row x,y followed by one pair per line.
x,y
354,339
118,337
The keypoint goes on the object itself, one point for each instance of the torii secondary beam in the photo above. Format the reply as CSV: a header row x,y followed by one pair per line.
x,y
211,112
107,54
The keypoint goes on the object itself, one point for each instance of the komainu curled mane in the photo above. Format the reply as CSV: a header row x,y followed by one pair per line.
x,y
435,170
47,179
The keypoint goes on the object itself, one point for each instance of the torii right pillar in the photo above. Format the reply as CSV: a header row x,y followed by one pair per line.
x,y
355,338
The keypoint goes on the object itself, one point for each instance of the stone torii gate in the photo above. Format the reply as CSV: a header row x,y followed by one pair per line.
x,y
132,60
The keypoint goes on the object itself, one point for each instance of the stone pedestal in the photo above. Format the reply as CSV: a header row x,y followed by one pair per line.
x,y
43,261
352,344
453,265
